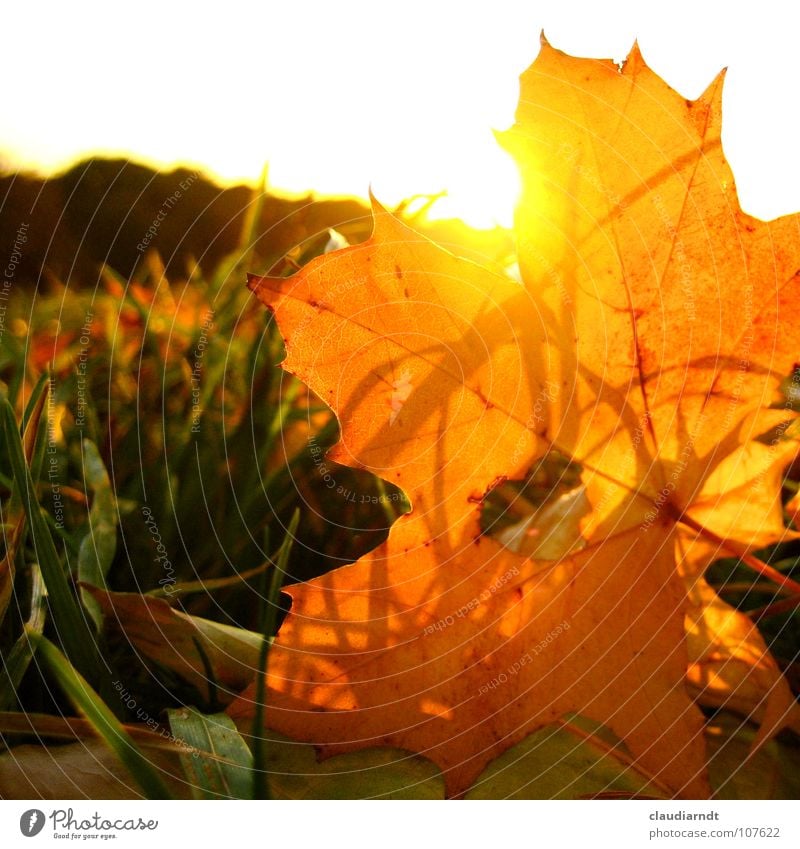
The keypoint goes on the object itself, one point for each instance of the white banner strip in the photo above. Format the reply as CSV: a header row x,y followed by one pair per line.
x,y
406,825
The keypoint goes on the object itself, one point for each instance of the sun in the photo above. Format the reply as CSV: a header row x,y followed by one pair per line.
x,y
478,184
481,193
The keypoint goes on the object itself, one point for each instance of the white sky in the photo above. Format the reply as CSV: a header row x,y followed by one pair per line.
x,y
400,95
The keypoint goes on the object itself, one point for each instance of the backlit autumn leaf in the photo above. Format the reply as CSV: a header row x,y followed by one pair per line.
x,y
647,343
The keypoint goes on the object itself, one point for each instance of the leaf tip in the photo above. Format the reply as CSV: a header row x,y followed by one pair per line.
x,y
712,96
634,62
377,207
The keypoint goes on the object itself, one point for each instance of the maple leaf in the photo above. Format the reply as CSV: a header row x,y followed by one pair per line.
x,y
647,343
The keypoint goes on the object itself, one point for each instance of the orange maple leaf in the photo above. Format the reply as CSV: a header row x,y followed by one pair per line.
x,y
647,343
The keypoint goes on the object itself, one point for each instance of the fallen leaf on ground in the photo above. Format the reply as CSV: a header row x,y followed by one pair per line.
x,y
170,639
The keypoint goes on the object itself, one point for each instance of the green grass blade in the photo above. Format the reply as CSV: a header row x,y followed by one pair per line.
x,y
13,516
16,663
252,219
219,763
268,619
32,447
73,628
85,700
35,403
99,545
209,585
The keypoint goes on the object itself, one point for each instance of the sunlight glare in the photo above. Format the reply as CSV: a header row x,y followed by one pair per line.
x,y
482,192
